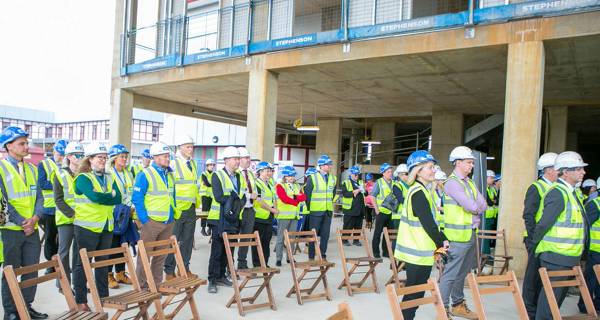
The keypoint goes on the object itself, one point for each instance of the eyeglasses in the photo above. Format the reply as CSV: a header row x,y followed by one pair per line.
x,y
78,156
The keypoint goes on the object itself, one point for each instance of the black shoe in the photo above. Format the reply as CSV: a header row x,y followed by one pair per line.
x,y
377,255
212,287
203,232
224,282
278,263
346,243
242,265
36,315
12,316
357,243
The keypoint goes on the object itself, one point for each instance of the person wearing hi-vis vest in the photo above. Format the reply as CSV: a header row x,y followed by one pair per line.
x,y
187,200
592,210
206,193
383,216
353,202
24,205
96,194
559,236
438,196
419,236
491,213
248,214
291,200
154,201
228,202
64,197
400,188
266,207
463,207
145,163
47,168
320,191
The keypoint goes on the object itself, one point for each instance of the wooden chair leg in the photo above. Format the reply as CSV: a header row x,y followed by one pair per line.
x,y
193,306
270,293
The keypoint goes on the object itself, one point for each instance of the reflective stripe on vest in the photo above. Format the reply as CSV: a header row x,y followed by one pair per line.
x,y
227,185
289,211
186,187
268,196
439,214
51,169
21,194
404,189
206,191
347,201
491,211
595,229
67,182
458,221
124,182
159,200
321,198
542,187
385,189
90,215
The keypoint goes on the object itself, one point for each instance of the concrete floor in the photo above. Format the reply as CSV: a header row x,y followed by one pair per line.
x,y
363,305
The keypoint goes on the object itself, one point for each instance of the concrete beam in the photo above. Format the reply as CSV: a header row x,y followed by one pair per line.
x,y
329,141
556,129
262,114
446,134
484,126
121,114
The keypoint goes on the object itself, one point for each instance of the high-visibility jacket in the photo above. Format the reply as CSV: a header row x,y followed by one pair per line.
x,y
125,183
51,169
21,193
205,190
404,188
347,201
186,183
595,229
491,211
228,187
90,215
268,196
385,190
67,183
322,197
159,200
439,214
413,245
457,220
542,187
566,236
244,185
289,211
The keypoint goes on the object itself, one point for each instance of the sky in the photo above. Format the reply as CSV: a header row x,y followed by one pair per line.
x,y
57,56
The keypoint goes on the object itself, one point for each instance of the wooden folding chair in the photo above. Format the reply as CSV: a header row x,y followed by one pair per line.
x,y
499,261
58,274
182,284
263,272
434,298
357,263
317,265
343,313
136,299
575,280
396,265
503,283
597,271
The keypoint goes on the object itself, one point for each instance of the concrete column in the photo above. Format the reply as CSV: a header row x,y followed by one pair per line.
x,y
521,142
262,114
329,140
572,141
447,130
384,132
556,128
121,114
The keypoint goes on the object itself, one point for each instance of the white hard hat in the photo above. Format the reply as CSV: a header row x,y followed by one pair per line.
x,y
491,173
546,160
74,147
209,161
440,175
95,148
183,139
230,152
159,148
569,159
598,183
588,183
243,152
401,168
461,153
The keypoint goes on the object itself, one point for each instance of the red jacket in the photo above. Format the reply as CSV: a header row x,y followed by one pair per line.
x,y
282,195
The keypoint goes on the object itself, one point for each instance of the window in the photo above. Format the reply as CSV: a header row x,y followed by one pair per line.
x,y
5,124
106,132
28,128
155,132
94,131
70,133
59,129
48,132
82,133
202,29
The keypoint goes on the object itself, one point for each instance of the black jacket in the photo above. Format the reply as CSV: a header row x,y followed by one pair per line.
x,y
358,203
231,205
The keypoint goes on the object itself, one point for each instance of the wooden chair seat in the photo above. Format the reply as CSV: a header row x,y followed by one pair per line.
x,y
363,267
434,298
365,259
82,315
580,317
257,271
179,284
314,263
130,297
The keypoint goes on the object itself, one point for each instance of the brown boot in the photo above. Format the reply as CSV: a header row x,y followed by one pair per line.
x,y
83,307
170,276
463,311
191,275
112,282
123,278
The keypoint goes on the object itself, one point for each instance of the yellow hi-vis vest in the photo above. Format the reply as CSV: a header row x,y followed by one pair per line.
x,y
595,229
124,183
186,186
206,191
439,216
384,191
136,169
268,196
566,237
491,211
289,211
51,169
457,220
321,198
67,183
404,188
20,194
413,245
227,185
90,215
159,196
542,187
347,201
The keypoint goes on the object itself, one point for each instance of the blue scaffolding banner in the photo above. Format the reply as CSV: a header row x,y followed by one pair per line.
x,y
214,55
297,41
154,64
529,9
413,25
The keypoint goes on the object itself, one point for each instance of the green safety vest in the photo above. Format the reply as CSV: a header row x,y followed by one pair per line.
x,y
384,191
289,211
439,216
580,195
595,229
159,200
206,191
90,215
566,237
457,220
322,197
67,182
404,188
21,194
227,185
125,185
491,212
413,245
186,186
347,201
51,169
268,196
542,187
244,185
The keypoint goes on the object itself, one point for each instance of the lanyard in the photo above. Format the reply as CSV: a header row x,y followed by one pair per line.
x,y
123,186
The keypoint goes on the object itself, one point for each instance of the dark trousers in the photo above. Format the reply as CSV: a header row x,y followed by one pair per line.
x,y
369,212
591,281
248,216
381,221
116,242
91,241
206,203
543,308
184,230
218,258
415,275
50,236
532,285
352,222
321,222
265,231
19,251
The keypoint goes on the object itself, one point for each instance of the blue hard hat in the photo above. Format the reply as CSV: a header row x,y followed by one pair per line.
x,y
385,166
369,176
355,170
418,157
60,146
288,171
310,171
146,153
11,134
324,160
498,177
262,165
117,149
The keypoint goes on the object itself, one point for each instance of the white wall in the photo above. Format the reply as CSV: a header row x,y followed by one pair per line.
x,y
203,131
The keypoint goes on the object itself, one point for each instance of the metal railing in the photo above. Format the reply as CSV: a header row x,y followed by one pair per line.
x,y
398,146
